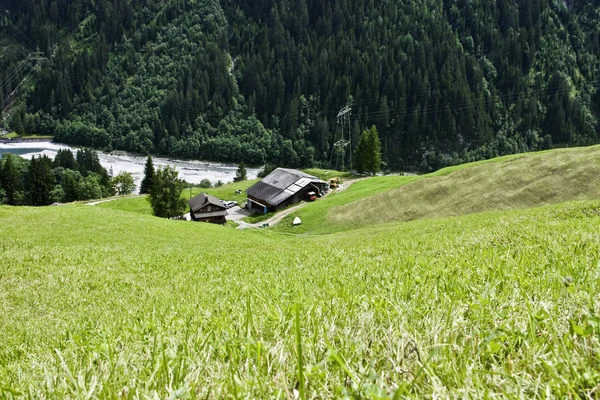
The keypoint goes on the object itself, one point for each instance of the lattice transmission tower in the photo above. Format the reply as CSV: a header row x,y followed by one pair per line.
x,y
342,141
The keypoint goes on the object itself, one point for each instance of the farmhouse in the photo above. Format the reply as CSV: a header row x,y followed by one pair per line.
x,y
281,188
207,208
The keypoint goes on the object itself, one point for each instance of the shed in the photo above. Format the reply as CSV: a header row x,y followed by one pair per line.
x,y
281,188
207,208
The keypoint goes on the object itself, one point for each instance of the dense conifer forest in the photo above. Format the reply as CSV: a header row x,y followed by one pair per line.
x,y
444,81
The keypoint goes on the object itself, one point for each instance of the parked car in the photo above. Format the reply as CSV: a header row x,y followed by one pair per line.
x,y
311,196
230,204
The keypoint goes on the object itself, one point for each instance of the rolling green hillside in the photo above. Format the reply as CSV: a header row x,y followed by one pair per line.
x,y
102,303
509,182
528,181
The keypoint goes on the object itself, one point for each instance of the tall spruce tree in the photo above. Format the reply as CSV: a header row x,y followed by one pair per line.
x,y
149,173
367,154
373,160
11,181
64,158
41,181
241,173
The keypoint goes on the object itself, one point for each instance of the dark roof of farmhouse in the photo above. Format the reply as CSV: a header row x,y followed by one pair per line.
x,y
212,214
203,200
280,185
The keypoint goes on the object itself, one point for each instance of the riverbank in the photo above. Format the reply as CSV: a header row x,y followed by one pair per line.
x,y
26,139
193,171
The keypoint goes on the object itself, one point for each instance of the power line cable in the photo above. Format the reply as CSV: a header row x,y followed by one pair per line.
x,y
28,42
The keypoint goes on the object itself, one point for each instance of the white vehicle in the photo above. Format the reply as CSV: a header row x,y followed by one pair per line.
x,y
230,204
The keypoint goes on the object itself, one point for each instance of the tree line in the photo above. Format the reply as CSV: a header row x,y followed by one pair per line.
x,y
262,81
41,181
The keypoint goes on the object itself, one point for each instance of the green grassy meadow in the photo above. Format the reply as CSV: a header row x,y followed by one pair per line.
x,y
510,182
101,302
141,205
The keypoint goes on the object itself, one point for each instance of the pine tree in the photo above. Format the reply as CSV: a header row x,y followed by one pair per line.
x,y
373,160
367,155
64,158
241,174
10,180
148,180
41,181
70,184
360,153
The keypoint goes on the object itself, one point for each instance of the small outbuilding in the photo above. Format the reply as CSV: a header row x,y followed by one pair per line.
x,y
282,188
207,208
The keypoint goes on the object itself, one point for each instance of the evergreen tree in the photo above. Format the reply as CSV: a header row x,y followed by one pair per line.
x,y
148,180
64,158
89,162
373,159
70,183
367,155
241,173
11,181
165,193
360,154
40,181
435,77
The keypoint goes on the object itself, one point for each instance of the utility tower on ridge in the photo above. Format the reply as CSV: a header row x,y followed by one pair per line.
x,y
342,141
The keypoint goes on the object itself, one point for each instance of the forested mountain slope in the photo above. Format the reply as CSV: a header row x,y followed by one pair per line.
x,y
443,81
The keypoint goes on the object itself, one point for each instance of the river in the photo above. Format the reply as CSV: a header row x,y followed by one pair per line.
x,y
191,170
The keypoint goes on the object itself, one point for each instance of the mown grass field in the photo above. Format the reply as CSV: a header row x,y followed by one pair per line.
x,y
103,303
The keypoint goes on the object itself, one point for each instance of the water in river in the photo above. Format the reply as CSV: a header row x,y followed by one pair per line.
x,y
191,170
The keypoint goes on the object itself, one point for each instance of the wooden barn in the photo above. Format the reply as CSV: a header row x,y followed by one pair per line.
x,y
282,188
207,208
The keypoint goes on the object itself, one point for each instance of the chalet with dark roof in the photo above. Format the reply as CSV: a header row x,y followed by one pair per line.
x,y
282,188
207,208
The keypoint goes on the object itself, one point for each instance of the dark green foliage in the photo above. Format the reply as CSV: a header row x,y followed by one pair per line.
x,y
88,162
148,180
367,156
64,158
241,173
11,179
90,187
57,194
205,184
262,81
16,123
40,182
165,194
70,185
